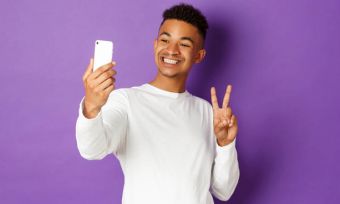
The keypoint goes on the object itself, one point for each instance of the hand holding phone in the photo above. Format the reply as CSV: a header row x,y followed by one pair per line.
x,y
98,79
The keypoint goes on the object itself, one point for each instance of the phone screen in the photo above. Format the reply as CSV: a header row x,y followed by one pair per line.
x,y
102,53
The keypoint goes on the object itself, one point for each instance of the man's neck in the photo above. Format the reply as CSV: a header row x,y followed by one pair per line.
x,y
169,84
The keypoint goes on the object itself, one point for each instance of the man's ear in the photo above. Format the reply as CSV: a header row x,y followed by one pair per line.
x,y
200,55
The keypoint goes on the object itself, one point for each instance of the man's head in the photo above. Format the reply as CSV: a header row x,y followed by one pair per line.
x,y
188,14
180,40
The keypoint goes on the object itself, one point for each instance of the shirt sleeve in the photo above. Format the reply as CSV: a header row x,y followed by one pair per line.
x,y
106,133
225,172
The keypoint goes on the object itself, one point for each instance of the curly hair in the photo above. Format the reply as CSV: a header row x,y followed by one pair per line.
x,y
189,14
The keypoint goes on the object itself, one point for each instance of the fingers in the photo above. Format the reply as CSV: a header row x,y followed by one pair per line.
x,y
233,121
105,75
226,97
228,113
105,84
222,124
214,101
109,89
101,79
101,70
88,70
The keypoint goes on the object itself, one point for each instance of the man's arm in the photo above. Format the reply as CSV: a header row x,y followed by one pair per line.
x,y
105,133
225,172
102,121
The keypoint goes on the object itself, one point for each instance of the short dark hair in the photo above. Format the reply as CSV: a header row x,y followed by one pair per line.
x,y
189,14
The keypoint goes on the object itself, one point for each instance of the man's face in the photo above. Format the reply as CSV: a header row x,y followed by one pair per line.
x,y
177,47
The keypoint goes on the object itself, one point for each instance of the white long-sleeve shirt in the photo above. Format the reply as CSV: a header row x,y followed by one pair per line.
x,y
165,144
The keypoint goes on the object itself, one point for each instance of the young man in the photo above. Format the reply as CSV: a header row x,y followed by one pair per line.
x,y
173,147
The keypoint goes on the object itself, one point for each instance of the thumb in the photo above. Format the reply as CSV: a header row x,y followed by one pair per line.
x,y
89,70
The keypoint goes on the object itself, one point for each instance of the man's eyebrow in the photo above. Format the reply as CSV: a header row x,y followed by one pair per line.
x,y
182,38
165,33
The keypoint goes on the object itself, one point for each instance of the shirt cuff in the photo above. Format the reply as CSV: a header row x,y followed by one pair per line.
x,y
88,122
225,153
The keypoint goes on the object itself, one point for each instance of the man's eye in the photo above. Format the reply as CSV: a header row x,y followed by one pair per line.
x,y
163,40
185,45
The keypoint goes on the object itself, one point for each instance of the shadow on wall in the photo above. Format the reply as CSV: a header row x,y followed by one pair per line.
x,y
219,46
259,167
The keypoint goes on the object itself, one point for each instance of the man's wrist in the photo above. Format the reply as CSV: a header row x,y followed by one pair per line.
x,y
90,111
224,141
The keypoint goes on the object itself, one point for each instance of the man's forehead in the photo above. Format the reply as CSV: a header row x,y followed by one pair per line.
x,y
178,27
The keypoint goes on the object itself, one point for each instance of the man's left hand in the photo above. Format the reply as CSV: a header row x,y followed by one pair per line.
x,y
225,123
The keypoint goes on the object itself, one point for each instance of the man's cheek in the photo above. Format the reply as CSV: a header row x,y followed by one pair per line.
x,y
162,47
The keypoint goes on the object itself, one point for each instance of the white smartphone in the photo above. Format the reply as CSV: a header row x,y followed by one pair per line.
x,y
103,51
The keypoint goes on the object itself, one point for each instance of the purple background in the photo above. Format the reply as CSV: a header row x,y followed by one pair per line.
x,y
282,58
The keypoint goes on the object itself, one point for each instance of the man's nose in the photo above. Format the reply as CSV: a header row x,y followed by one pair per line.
x,y
173,48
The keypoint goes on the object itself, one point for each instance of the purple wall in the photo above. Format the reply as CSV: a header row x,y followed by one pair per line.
x,y
282,57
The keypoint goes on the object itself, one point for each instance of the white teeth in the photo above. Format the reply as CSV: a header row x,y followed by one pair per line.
x,y
170,61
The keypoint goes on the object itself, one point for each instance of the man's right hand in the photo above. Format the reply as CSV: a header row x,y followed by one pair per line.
x,y
98,86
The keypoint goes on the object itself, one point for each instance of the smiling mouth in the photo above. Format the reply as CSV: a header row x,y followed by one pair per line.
x,y
169,61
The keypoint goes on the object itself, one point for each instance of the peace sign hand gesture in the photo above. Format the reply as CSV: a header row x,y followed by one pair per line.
x,y
225,123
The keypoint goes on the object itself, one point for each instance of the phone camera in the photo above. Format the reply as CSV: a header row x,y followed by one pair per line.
x,y
97,42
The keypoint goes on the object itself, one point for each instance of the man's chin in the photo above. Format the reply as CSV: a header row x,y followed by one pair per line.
x,y
168,73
